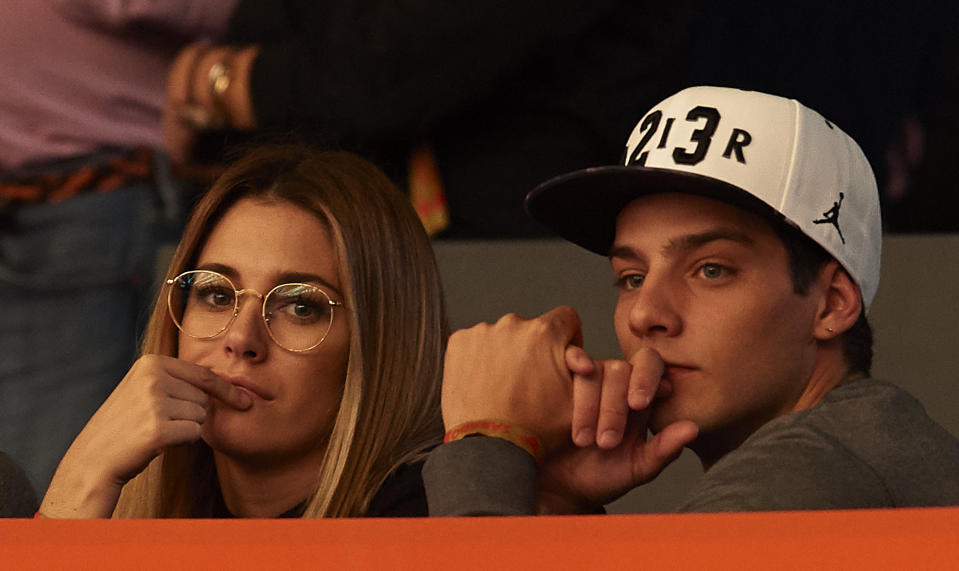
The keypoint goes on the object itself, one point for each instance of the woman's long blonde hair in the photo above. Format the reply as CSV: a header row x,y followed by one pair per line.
x,y
389,413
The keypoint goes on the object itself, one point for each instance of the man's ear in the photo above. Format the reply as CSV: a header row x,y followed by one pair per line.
x,y
840,305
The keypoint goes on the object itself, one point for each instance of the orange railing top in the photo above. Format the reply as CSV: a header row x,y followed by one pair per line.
x,y
866,539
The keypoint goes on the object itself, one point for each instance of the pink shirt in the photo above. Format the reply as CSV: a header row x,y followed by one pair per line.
x,y
79,75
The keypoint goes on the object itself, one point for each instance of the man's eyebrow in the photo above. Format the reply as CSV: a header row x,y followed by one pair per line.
x,y
284,277
623,251
686,243
692,241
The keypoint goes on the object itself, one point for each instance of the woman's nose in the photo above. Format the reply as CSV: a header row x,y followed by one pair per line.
x,y
247,336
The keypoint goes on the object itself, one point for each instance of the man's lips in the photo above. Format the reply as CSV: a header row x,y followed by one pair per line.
x,y
672,374
249,386
674,371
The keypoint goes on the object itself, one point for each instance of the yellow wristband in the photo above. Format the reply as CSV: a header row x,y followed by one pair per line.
x,y
503,430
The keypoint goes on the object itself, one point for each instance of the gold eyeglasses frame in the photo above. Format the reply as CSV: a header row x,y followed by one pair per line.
x,y
236,307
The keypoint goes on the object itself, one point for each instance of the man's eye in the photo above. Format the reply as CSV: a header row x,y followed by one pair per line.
x,y
713,271
630,281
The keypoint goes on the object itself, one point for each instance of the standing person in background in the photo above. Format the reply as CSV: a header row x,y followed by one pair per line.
x,y
292,364
82,199
478,99
453,96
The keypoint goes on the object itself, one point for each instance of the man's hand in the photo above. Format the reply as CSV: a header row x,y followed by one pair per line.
x,y
514,370
609,427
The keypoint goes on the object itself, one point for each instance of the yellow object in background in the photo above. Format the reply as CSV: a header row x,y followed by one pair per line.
x,y
426,191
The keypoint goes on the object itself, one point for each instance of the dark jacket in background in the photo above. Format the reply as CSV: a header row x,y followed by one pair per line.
x,y
507,93
17,498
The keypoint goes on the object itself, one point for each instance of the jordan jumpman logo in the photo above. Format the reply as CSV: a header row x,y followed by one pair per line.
x,y
831,216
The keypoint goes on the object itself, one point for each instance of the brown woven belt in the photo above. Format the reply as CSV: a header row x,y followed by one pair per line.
x,y
115,173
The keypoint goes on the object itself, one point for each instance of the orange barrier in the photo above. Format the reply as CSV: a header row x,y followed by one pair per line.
x,y
867,539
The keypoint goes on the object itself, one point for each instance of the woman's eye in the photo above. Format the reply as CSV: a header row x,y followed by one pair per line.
x,y
215,296
302,309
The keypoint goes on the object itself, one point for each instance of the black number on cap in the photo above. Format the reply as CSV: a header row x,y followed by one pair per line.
x,y
702,137
648,128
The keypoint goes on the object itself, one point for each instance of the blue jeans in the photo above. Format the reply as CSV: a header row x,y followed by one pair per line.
x,y
75,280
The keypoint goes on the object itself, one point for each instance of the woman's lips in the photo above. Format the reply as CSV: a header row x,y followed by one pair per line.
x,y
248,386
248,391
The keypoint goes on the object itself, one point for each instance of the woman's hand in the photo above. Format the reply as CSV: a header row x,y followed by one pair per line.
x,y
162,401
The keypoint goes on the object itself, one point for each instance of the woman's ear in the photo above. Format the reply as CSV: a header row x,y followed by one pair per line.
x,y
841,303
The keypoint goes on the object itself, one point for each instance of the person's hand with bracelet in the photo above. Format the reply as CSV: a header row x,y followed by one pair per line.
x,y
208,89
522,378
510,380
513,371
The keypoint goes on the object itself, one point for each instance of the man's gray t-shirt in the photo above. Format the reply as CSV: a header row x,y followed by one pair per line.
x,y
867,444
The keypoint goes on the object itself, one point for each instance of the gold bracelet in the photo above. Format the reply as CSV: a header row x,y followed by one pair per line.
x,y
191,113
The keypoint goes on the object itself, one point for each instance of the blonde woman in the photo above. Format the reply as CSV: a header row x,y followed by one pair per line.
x,y
292,364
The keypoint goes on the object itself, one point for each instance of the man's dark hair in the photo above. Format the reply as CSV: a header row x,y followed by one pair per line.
x,y
805,259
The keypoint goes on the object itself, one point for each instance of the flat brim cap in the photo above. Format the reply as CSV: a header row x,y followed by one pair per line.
x,y
768,154
582,206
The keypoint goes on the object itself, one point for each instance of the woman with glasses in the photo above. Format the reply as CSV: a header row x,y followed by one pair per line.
x,y
292,363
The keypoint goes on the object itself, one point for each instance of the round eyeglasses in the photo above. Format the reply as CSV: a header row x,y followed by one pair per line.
x,y
204,304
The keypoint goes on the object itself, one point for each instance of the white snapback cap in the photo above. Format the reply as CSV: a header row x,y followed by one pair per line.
x,y
761,152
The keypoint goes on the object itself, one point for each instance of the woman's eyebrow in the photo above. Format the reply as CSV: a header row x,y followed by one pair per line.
x,y
290,277
224,269
282,277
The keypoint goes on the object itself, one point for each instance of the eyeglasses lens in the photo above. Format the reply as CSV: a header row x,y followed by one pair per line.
x,y
202,303
298,316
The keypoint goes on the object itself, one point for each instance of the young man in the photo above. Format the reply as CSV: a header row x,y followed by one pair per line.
x,y
744,233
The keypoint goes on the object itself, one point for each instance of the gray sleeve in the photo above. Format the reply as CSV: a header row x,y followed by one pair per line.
x,y
795,470
479,476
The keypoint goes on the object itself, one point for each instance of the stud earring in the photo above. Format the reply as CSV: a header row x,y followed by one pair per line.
x,y
829,330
